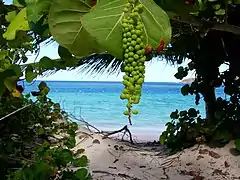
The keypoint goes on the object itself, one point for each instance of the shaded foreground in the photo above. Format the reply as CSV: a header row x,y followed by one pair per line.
x,y
111,159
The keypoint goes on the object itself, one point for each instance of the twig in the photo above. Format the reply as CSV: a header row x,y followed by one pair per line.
x,y
14,112
125,128
85,122
165,173
81,141
90,135
169,161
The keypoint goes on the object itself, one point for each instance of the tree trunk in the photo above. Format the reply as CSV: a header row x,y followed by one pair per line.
x,y
210,100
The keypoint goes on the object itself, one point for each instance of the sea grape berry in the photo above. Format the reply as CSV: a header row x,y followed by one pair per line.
x,y
134,55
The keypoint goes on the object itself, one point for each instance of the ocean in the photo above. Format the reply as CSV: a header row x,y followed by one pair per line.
x,y
99,104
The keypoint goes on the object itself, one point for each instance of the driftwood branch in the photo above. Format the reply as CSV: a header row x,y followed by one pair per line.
x,y
125,129
213,25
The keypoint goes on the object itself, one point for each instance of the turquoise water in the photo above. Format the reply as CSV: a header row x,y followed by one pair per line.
x,y
99,104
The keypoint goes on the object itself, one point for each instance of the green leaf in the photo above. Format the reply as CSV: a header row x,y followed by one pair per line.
x,y
37,8
163,137
70,142
216,6
237,144
185,90
174,115
71,132
19,23
19,3
104,24
66,155
42,169
74,126
66,28
155,20
81,162
46,62
183,113
45,91
10,82
3,54
64,53
81,174
10,16
40,131
192,112
30,75
220,12
16,68
42,85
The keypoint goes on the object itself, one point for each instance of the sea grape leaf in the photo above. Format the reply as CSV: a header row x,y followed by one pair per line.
x,y
66,28
30,74
237,144
19,3
104,24
81,173
10,16
3,54
19,23
46,62
42,85
10,82
64,53
155,20
37,8
81,162
185,90
220,12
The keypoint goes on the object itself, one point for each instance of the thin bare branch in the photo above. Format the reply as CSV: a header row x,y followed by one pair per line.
x,y
213,25
14,112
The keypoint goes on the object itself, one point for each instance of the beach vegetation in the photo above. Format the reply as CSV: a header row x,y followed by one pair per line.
x,y
113,36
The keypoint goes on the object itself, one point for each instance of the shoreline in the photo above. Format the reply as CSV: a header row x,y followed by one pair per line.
x,y
139,134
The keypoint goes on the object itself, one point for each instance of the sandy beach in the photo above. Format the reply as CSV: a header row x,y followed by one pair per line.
x,y
114,159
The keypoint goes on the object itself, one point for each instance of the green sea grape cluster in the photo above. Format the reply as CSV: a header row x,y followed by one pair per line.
x,y
134,55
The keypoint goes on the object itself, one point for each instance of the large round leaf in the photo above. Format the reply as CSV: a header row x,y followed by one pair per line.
x,y
37,8
156,23
66,28
104,24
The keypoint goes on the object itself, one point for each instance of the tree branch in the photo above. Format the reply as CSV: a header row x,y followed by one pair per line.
x,y
24,107
213,25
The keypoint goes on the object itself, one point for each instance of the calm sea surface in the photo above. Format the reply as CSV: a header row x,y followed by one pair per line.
x,y
99,104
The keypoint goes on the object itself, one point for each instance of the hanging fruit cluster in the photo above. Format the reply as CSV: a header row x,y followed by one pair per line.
x,y
134,56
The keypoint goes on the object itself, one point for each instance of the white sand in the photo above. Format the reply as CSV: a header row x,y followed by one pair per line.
x,y
114,160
